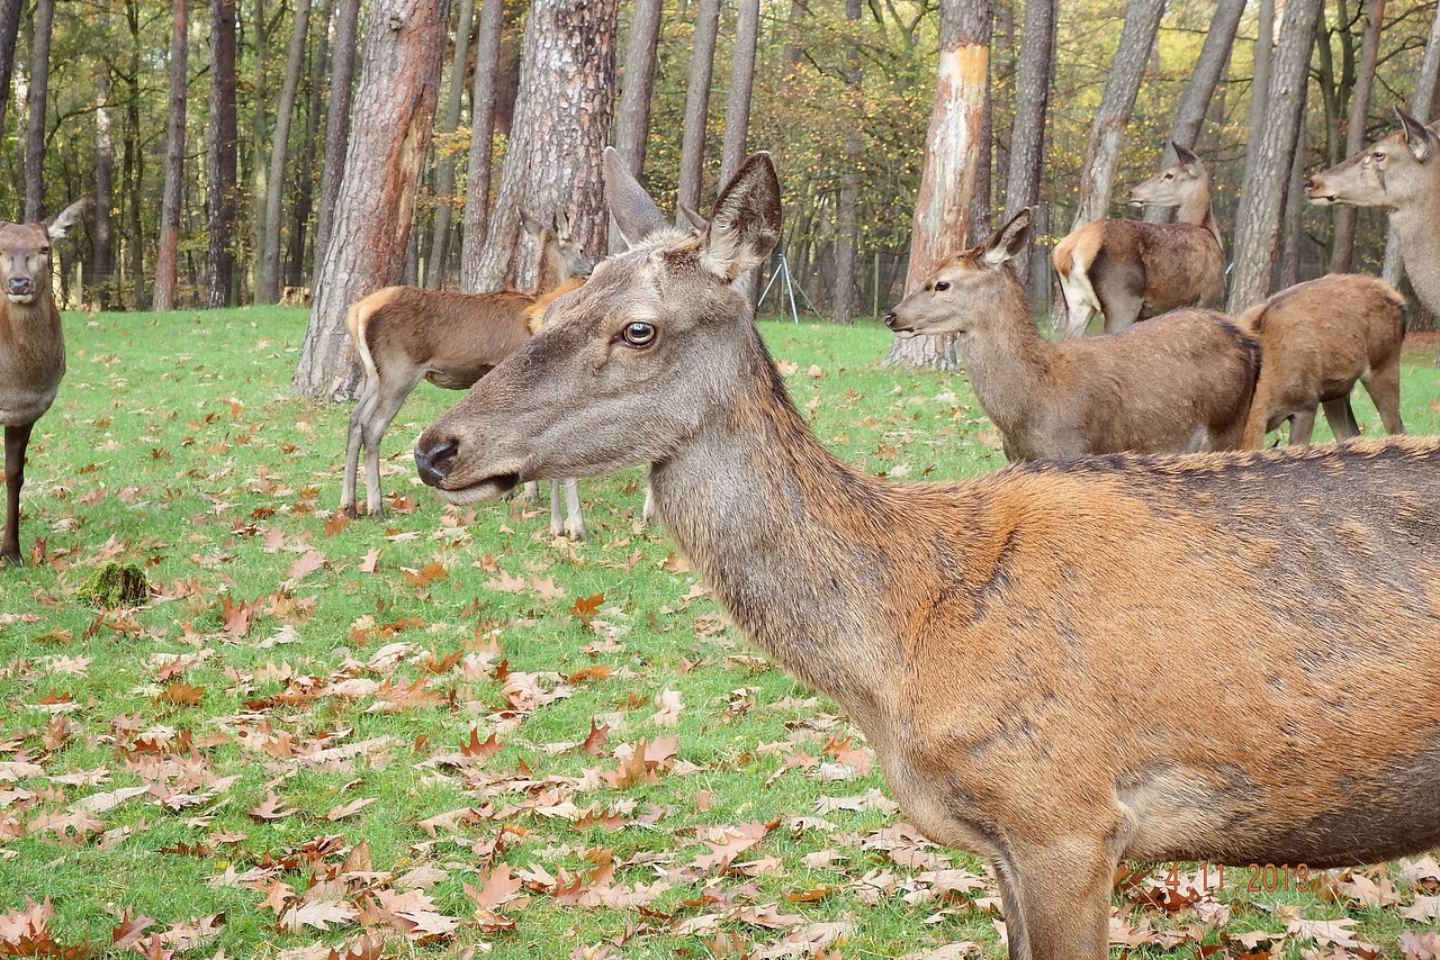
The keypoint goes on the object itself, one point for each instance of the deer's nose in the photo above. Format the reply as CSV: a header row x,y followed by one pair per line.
x,y
435,460
18,285
1309,183
890,319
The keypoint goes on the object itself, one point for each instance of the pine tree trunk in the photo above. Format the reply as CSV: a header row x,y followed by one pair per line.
x,y
847,215
562,121
978,224
165,262
1260,81
742,81
269,288
102,264
220,158
951,166
135,159
337,123
9,30
259,143
1293,249
1097,176
1422,103
1032,99
1267,178
404,49
445,166
476,216
632,117
697,103
1342,255
305,198
35,134
1195,100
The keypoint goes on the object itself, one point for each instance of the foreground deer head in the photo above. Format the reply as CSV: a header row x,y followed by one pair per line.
x,y
1394,172
25,254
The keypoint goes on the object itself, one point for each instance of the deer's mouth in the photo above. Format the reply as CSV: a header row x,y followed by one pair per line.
x,y
489,488
21,298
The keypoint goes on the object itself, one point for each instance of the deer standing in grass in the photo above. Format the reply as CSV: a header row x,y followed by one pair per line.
x,y
1061,664
452,339
1318,338
1179,383
1401,174
1129,270
32,349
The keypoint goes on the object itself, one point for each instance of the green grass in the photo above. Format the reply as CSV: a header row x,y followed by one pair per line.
x,y
176,445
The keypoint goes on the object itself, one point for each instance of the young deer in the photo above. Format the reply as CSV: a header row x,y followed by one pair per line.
x,y
1179,383
1317,339
32,349
1129,270
1042,658
452,339
1401,174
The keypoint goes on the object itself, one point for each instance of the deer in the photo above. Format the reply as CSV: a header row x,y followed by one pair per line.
x,y
32,349
452,339
1040,656
1399,173
1318,338
1128,270
1181,382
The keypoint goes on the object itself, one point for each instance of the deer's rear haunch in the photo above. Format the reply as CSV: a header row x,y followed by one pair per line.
x,y
32,349
1226,656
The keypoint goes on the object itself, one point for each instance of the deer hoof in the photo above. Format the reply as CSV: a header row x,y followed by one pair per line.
x,y
11,559
575,531
349,510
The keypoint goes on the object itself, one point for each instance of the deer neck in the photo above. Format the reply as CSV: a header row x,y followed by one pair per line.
x,y
1009,363
1415,232
1198,211
38,320
550,271
800,550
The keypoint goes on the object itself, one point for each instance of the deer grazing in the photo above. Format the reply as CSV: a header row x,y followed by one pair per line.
x,y
1401,174
1318,338
1129,270
1040,657
32,349
452,339
1179,383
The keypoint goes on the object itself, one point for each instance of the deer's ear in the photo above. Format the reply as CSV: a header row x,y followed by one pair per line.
x,y
693,215
1418,137
1186,155
532,226
635,213
562,224
1009,240
60,224
745,225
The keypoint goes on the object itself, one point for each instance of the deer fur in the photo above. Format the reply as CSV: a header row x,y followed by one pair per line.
x,y
452,339
1401,174
1318,338
1128,270
1179,383
32,349
1059,665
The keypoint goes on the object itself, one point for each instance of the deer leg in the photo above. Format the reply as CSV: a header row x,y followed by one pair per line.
x,y
1384,389
358,416
557,521
387,404
1341,417
1301,425
574,520
1063,891
531,490
16,439
647,513
1121,300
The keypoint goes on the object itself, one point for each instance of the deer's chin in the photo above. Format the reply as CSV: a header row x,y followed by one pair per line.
x,y
24,299
1322,199
491,488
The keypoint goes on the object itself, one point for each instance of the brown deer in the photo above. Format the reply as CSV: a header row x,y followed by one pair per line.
x,y
32,349
1401,174
1179,383
1318,338
1041,658
452,339
1129,270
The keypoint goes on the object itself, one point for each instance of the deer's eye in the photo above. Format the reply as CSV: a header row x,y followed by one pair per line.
x,y
941,286
1168,176
638,334
1378,155
44,251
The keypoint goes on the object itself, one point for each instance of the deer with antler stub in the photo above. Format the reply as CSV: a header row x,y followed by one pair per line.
x,y
1128,270
1060,665
32,349
407,334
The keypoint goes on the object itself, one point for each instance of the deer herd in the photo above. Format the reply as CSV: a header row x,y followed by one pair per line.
x,y
1146,639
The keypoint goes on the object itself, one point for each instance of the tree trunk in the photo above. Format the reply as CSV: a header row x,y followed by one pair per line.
x,y
337,124
445,166
1267,178
847,217
135,158
562,121
259,139
404,49
9,30
269,289
978,224
35,134
476,217
1260,80
305,199
1195,101
1343,255
220,160
1421,105
165,262
742,81
697,103
1293,250
632,117
102,266
951,165
1097,176
1032,99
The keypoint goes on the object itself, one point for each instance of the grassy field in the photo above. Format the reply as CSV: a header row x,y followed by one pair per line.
x,y
448,732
